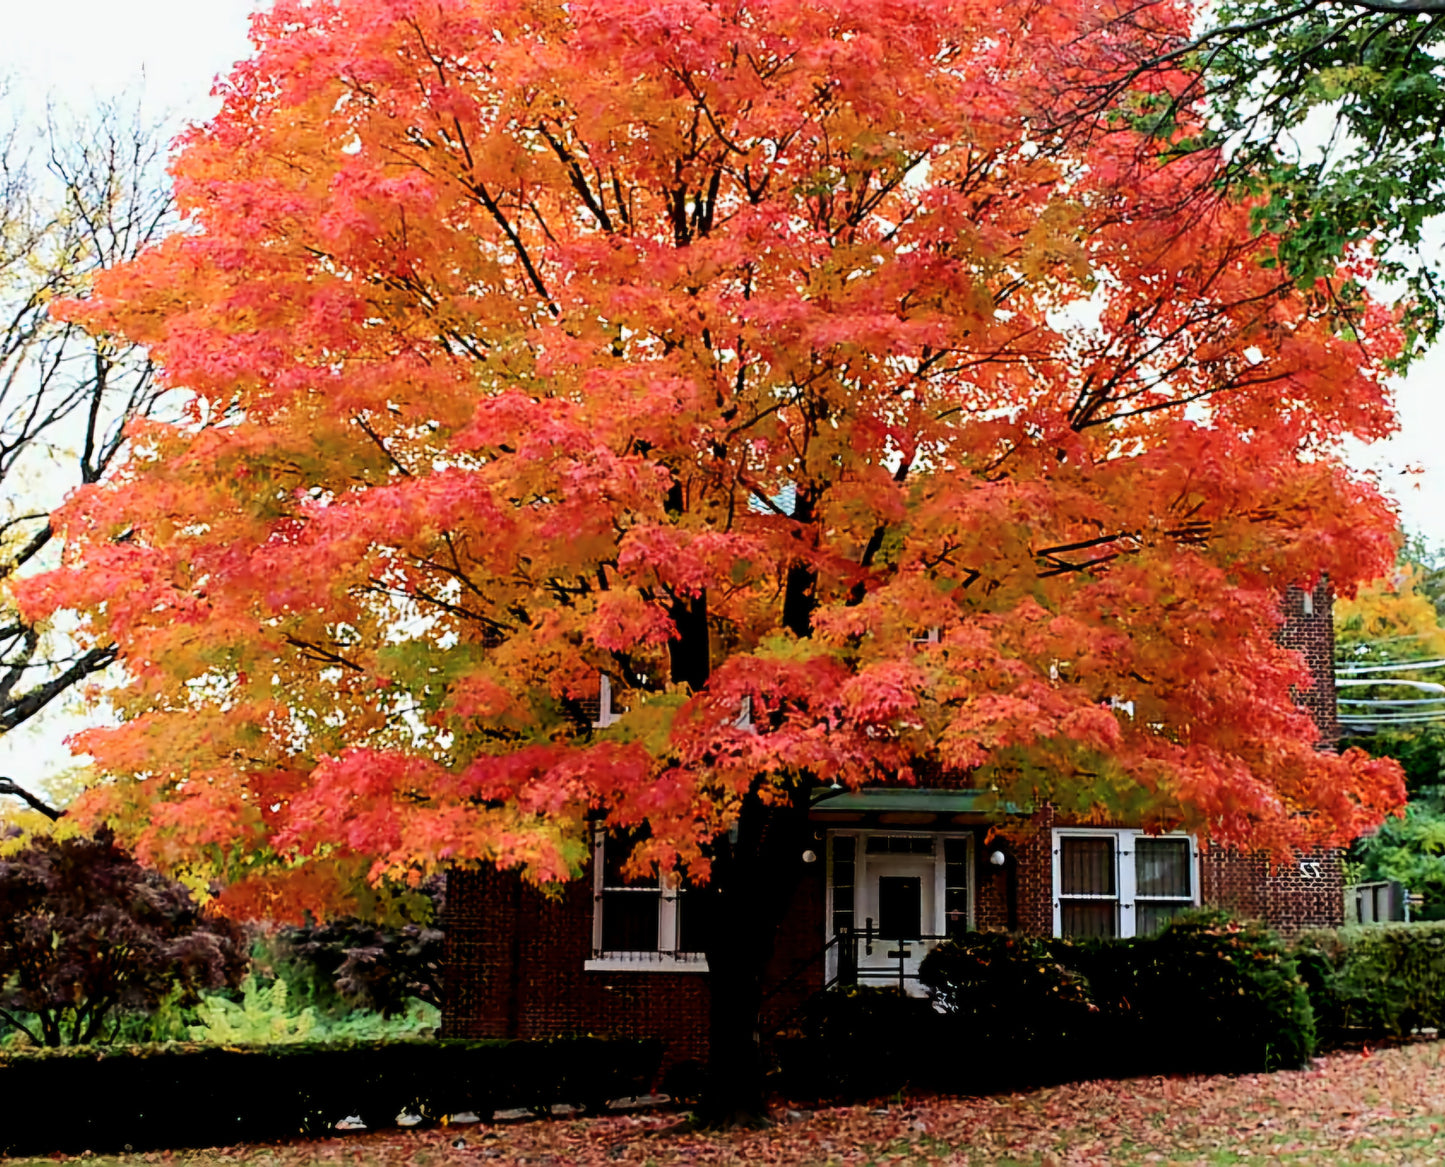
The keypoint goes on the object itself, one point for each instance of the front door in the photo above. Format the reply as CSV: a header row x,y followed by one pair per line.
x,y
898,904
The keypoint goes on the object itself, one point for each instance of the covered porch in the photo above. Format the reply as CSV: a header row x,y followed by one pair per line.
x,y
902,873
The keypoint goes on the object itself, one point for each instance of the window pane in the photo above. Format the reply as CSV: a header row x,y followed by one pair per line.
x,y
1089,920
1161,867
1153,916
1086,867
899,845
844,849
955,886
692,920
629,921
955,906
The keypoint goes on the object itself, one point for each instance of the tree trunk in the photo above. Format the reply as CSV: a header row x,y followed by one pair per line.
x,y
50,1027
754,880
734,1093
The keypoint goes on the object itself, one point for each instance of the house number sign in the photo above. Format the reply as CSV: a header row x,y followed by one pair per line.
x,y
1309,869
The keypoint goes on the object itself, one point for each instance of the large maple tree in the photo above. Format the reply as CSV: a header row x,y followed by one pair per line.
x,y
727,349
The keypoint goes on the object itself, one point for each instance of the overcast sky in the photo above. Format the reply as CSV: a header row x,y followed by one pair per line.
x,y
83,51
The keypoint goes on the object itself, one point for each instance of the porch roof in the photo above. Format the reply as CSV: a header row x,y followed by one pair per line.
x,y
912,798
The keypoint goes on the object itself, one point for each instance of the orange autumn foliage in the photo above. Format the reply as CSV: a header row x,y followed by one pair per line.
x,y
725,349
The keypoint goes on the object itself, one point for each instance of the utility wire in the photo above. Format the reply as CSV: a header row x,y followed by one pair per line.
x,y
1390,701
1407,665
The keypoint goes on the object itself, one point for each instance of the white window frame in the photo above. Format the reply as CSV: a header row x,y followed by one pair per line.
x,y
665,958
606,714
1126,879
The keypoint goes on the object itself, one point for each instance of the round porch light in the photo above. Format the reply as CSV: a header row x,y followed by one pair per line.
x,y
998,858
810,857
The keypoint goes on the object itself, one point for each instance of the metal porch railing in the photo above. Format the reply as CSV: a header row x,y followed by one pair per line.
x,y
849,943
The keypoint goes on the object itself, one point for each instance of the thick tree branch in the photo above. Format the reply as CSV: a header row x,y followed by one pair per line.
x,y
11,787
23,708
21,1026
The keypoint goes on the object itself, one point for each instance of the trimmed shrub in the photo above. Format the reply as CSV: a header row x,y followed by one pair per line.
x,y
1006,988
1229,995
107,1099
1376,982
1206,995
861,1041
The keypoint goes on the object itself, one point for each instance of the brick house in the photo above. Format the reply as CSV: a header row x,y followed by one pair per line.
x,y
889,872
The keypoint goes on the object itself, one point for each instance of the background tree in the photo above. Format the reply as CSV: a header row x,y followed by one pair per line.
x,y
89,194
86,934
1329,111
1410,850
361,963
1390,653
1391,634
725,353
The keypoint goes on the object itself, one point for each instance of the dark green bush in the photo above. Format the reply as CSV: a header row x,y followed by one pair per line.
x,y
1009,988
861,1041
1376,982
1206,995
105,1099
344,965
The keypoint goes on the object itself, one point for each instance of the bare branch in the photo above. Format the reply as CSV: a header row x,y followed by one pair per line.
x,y
20,709
92,195
9,786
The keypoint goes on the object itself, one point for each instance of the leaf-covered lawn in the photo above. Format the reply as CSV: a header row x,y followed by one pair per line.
x,y
1386,1107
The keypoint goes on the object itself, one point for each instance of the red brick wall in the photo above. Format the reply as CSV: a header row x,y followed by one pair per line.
x,y
1234,880
1033,869
514,960
515,956
515,967
991,895
1313,635
1309,893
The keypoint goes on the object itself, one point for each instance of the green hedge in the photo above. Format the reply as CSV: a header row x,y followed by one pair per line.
x,y
1206,995
862,1041
108,1099
1376,982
